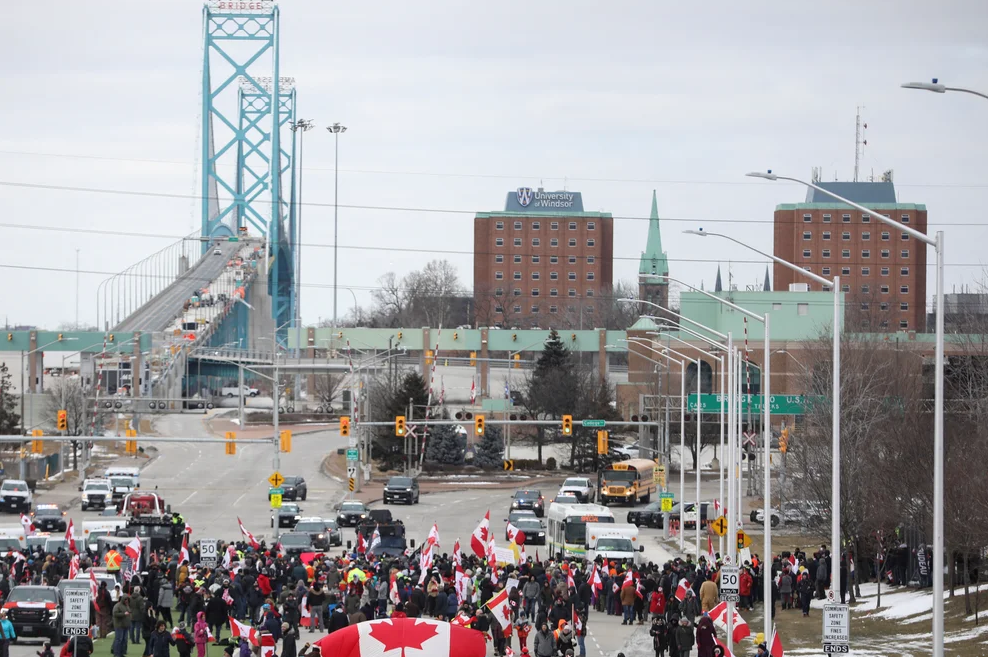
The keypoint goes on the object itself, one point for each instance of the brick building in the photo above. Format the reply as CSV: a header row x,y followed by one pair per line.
x,y
882,270
543,261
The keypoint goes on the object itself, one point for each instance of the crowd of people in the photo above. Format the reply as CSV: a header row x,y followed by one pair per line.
x,y
180,604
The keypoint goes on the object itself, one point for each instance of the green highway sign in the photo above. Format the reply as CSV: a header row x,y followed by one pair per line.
x,y
779,404
276,491
352,455
233,239
594,424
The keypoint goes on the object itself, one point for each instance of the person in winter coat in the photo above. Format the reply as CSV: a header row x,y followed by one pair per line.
x,y
530,596
684,638
689,609
708,595
659,634
289,636
166,598
121,625
545,642
200,634
706,636
338,619
183,641
745,582
565,637
628,598
785,589
216,615
805,590
136,610
161,640
822,577
657,604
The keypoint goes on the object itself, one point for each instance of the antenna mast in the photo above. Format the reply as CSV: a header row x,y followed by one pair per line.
x,y
859,140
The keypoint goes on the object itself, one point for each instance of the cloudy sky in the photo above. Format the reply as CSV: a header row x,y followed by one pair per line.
x,y
449,105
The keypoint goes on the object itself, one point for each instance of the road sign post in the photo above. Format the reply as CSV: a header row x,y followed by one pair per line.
x,y
730,583
75,620
208,553
276,480
836,628
719,526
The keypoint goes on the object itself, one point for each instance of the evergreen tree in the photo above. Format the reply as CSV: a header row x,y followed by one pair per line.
x,y
552,390
445,446
394,402
9,418
489,452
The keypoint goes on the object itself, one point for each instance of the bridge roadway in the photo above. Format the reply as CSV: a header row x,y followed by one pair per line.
x,y
159,312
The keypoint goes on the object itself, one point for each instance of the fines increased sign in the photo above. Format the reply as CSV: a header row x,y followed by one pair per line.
x,y
730,583
76,605
208,556
836,627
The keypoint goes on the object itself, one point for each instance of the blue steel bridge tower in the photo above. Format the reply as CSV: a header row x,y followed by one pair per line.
x,y
247,107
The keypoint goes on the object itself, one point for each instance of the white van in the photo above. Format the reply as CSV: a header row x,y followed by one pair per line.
x,y
12,537
613,542
93,529
117,471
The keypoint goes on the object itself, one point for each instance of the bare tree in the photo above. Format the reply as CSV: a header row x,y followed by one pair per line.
x,y
327,388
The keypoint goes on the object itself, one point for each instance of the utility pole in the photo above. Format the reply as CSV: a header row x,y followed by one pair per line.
x,y
76,292
336,129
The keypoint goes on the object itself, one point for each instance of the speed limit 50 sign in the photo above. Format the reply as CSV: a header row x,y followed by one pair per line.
x,y
730,587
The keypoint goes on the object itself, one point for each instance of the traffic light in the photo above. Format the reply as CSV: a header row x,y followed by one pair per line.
x,y
473,359
286,441
60,337
456,336
37,446
400,426
345,426
110,338
231,445
567,425
784,440
399,335
10,337
63,421
601,442
478,425
130,446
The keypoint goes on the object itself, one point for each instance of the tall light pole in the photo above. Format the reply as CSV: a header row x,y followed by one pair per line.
x,y
77,289
937,244
336,129
299,127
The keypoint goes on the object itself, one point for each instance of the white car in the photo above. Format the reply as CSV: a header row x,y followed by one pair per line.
x,y
218,251
15,496
96,494
582,487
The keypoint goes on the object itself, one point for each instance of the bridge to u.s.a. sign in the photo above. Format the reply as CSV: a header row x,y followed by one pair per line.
x,y
778,404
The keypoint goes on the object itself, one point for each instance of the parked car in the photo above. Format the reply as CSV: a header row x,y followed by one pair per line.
x,y
648,516
401,489
582,487
351,513
758,515
529,499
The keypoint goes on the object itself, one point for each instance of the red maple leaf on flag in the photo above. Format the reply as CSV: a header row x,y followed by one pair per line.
x,y
393,637
506,611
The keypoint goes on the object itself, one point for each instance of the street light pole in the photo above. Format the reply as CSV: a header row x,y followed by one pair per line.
x,y
936,87
336,129
300,126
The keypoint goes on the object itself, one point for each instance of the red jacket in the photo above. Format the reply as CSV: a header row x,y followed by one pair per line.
x,y
657,605
744,585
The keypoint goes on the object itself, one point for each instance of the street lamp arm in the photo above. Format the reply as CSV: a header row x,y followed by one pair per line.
x,y
674,314
727,303
695,334
695,348
651,348
775,259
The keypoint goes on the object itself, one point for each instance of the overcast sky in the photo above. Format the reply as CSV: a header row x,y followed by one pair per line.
x,y
449,105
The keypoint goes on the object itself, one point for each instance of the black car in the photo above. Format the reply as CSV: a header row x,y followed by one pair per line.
x,y
533,530
34,611
287,516
295,489
296,543
48,518
401,489
529,499
324,533
351,513
648,516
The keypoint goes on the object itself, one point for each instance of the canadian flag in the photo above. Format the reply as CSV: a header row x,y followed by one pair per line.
x,y
727,651
433,535
407,637
639,590
491,553
393,592
515,535
70,537
473,392
719,616
461,619
242,630
27,523
457,557
188,528
681,590
375,539
629,580
595,582
93,585
425,562
480,536
577,622
183,554
570,582
462,585
775,644
361,544
250,537
74,567
133,551
303,608
501,608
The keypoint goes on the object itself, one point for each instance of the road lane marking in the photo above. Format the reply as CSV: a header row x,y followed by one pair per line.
x,y
185,501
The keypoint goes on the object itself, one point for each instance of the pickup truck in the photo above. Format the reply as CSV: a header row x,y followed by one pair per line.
x,y
235,392
582,487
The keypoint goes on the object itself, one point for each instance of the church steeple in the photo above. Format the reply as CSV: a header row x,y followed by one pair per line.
x,y
718,286
653,263
767,286
653,260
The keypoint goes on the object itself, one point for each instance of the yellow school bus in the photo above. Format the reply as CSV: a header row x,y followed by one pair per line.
x,y
628,481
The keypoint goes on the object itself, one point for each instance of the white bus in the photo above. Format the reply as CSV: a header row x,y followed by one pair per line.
x,y
567,527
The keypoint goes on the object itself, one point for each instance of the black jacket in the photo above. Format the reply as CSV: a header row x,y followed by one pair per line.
x,y
160,642
337,620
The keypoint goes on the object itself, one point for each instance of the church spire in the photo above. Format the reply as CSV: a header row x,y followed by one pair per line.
x,y
653,259
718,286
767,287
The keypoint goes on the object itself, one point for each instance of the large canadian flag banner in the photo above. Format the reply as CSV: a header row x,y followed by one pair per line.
x,y
403,637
